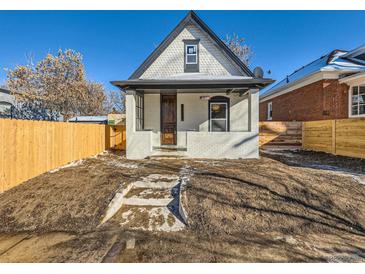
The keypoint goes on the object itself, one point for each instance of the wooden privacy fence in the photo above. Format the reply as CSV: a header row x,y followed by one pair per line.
x,y
115,137
344,137
29,148
280,133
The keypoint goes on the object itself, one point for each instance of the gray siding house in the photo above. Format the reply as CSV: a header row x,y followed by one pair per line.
x,y
6,103
193,97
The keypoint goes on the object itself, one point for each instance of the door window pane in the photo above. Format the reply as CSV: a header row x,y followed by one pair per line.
x,y
218,110
219,125
218,116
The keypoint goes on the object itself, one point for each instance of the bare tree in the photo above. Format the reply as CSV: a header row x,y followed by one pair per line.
x,y
115,102
239,47
56,86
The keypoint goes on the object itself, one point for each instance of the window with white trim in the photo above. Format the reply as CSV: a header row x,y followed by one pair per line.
x,y
191,54
269,111
218,116
357,104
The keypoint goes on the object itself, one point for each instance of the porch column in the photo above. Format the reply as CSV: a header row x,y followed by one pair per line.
x,y
130,127
253,104
130,111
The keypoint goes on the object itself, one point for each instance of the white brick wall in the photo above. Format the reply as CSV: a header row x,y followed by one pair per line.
x,y
241,142
171,61
220,145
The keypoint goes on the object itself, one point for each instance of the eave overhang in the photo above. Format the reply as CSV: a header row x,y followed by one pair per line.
x,y
257,83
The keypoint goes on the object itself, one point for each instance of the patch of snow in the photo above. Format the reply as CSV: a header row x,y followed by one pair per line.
x,y
116,203
157,219
147,201
278,152
157,181
122,165
360,178
71,164
209,162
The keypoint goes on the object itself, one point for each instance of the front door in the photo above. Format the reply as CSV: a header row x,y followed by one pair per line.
x,y
168,119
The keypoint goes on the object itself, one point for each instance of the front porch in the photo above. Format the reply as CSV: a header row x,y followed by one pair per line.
x,y
198,123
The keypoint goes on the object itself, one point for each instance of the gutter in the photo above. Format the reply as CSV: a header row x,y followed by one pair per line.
x,y
283,88
190,84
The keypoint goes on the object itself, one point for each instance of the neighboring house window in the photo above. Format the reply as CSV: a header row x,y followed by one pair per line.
x,y
139,111
357,103
269,111
219,114
191,55
5,109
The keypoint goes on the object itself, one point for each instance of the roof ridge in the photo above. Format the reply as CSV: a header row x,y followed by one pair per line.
x,y
190,16
332,54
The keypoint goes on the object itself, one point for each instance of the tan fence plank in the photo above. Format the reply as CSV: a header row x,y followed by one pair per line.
x,y
344,137
30,148
278,133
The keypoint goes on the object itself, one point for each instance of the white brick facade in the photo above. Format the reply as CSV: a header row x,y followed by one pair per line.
x,y
211,59
192,133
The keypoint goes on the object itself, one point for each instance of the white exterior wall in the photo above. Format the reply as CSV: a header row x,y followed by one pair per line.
x,y
138,143
220,145
152,117
192,133
211,59
196,114
241,142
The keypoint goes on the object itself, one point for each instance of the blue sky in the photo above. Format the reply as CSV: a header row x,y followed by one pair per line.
x,y
115,43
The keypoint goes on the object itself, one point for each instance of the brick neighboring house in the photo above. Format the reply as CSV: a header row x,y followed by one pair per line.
x,y
331,87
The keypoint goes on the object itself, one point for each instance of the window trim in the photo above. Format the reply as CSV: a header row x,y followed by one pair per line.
x,y
269,111
219,100
140,109
350,102
192,54
191,67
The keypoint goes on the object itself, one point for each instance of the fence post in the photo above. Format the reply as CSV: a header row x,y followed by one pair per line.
x,y
334,136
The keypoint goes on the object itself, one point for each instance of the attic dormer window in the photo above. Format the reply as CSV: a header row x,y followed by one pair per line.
x,y
191,55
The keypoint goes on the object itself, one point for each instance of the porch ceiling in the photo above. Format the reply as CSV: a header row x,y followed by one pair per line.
x,y
192,84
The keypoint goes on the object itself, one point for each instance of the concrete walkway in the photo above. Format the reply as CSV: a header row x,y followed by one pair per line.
x,y
152,204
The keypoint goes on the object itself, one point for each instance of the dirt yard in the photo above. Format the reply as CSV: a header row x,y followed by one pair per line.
x,y
284,207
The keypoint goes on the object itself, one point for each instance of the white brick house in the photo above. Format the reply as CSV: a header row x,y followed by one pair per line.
x,y
192,96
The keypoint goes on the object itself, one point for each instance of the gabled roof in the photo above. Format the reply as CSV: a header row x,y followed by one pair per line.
x,y
356,55
333,61
191,17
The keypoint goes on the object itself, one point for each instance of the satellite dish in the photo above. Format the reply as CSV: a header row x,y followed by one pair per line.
x,y
258,72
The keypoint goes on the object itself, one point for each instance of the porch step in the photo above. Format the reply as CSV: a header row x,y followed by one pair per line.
x,y
161,153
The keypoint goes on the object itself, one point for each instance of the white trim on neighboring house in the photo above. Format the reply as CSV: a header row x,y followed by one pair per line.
x,y
354,80
269,111
312,78
357,77
350,102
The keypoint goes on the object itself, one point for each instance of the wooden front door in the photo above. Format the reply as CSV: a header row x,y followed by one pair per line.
x,y
168,119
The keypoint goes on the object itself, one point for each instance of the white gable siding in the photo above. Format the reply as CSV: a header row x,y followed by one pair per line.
x,y
211,60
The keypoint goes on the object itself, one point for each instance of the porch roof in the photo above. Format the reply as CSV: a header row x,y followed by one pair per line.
x,y
192,83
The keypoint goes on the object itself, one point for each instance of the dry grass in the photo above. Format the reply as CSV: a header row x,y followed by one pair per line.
x,y
274,209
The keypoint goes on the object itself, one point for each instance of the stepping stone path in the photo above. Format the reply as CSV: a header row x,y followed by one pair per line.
x,y
152,204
